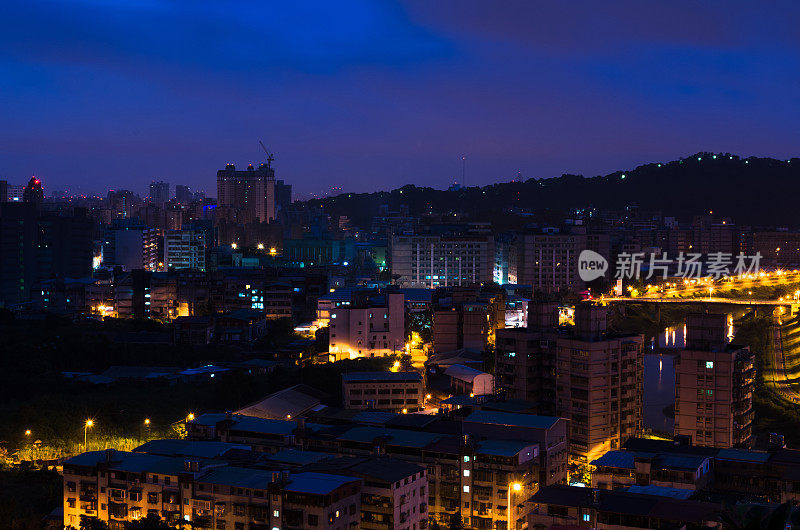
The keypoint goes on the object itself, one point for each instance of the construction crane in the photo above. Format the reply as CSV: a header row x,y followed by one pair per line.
x,y
270,158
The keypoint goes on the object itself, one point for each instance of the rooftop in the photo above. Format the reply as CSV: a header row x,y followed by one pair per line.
x,y
317,483
509,419
353,377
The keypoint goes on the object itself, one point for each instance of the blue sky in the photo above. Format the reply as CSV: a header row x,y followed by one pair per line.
x,y
372,95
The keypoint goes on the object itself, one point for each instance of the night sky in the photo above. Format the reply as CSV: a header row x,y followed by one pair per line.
x,y
373,95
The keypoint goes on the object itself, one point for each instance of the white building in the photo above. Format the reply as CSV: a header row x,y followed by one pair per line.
x,y
185,249
467,380
439,261
371,324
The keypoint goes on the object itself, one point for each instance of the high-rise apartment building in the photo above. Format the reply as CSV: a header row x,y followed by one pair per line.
x,y
159,192
525,358
34,192
547,261
183,194
251,192
598,385
185,249
714,385
129,244
430,260
466,317
36,247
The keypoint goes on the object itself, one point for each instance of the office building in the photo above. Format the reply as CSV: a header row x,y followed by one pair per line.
x,y
251,193
159,193
714,385
387,391
185,249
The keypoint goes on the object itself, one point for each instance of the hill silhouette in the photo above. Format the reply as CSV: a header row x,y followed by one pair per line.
x,y
753,191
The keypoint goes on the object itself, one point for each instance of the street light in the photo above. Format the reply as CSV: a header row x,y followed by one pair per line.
x,y
517,487
190,416
89,423
27,432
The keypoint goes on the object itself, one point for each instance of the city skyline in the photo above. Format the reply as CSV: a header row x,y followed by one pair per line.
x,y
374,97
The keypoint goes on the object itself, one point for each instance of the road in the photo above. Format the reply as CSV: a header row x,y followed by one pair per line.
x,y
779,378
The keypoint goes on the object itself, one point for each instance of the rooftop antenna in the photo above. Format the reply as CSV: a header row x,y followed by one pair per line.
x,y
270,158
463,170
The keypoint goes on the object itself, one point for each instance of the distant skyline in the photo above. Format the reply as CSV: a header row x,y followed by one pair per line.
x,y
374,95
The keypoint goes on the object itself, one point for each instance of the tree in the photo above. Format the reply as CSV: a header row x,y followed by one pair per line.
x,y
455,522
92,523
151,522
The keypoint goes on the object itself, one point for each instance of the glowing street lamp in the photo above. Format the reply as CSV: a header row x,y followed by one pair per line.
x,y
89,423
190,416
516,487
260,246
27,432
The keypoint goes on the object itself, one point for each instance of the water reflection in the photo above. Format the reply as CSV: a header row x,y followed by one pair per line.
x,y
659,391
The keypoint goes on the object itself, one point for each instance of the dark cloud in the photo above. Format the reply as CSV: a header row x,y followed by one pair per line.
x,y
369,95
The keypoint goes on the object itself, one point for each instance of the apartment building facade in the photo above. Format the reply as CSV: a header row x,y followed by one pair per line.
x,y
468,473
185,249
714,383
598,385
371,324
428,260
118,487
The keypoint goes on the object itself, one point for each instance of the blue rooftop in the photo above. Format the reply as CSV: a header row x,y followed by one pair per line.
x,y
505,448
528,421
396,437
352,377
673,493
618,459
743,455
238,476
317,483
188,448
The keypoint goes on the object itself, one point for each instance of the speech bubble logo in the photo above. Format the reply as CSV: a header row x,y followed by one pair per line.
x,y
591,265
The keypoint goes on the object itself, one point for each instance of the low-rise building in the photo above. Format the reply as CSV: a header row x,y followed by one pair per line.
x,y
573,507
390,391
467,380
370,324
619,469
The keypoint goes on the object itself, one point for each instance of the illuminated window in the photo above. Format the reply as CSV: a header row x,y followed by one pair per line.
x,y
587,517
466,459
466,472
709,365
466,489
